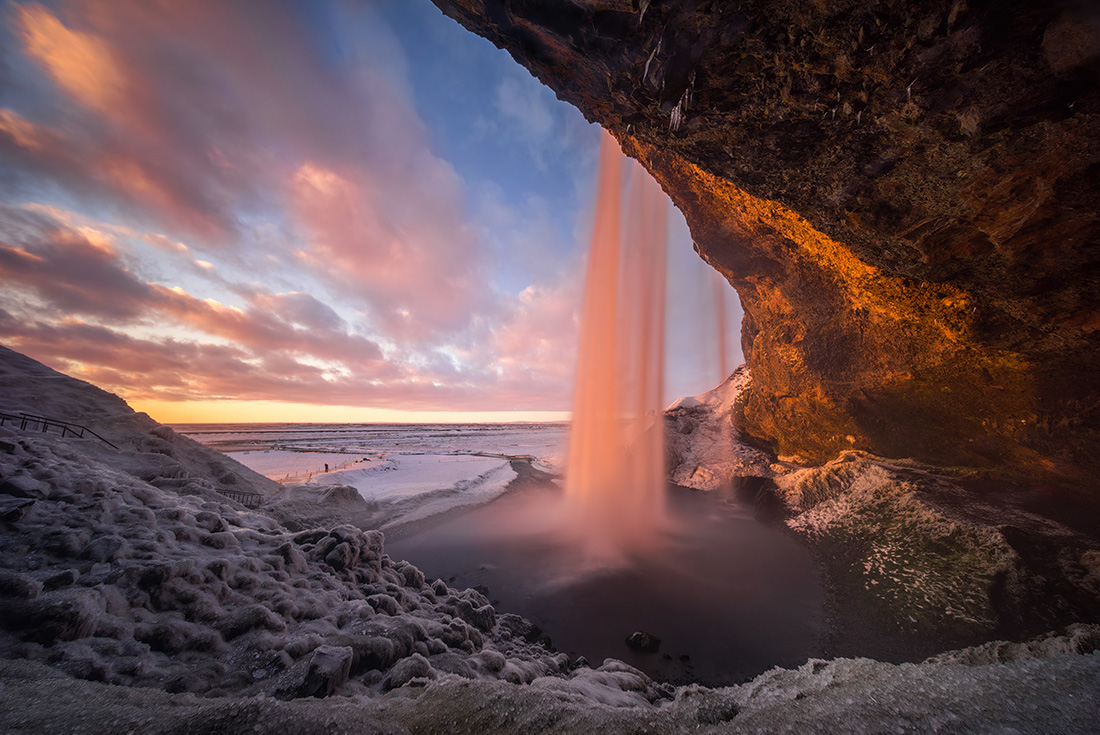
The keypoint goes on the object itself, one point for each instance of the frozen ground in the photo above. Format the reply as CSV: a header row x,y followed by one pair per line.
x,y
135,597
283,465
543,442
405,472
1036,690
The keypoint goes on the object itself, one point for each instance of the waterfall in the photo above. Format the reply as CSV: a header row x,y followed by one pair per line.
x,y
615,481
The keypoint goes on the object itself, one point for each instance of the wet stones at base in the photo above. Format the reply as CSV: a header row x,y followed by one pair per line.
x,y
643,642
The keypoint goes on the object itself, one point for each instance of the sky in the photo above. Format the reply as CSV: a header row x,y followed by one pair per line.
x,y
259,210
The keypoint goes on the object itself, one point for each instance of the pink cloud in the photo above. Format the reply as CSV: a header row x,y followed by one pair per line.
x,y
200,119
539,340
416,263
281,346
199,110
74,274
138,368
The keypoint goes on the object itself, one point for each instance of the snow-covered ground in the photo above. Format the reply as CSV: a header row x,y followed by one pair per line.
x,y
542,441
284,465
129,583
704,450
418,470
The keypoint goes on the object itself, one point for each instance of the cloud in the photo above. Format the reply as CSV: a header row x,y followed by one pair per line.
x,y
67,270
525,105
80,63
166,369
96,317
287,224
417,264
539,341
73,274
191,116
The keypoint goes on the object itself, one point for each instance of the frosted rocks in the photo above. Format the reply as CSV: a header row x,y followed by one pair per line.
x,y
124,582
19,586
103,548
54,616
639,640
12,510
514,626
326,671
342,495
408,669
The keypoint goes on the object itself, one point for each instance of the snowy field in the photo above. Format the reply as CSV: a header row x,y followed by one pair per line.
x,y
434,467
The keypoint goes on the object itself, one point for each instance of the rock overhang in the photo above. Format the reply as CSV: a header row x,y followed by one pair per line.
x,y
903,194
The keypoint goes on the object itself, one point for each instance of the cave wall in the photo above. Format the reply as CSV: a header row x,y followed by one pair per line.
x,y
903,194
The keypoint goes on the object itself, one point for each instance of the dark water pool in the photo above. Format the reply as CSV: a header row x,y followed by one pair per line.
x,y
728,595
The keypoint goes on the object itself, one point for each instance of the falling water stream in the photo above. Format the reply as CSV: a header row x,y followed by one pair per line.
x,y
619,550
616,470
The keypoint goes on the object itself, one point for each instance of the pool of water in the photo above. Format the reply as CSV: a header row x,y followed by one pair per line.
x,y
728,595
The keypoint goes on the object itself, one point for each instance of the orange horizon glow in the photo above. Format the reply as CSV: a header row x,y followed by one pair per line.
x,y
278,412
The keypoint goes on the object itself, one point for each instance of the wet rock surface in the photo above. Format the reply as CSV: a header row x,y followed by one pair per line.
x,y
918,563
903,194
642,641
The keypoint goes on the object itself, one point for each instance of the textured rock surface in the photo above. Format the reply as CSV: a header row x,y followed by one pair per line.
x,y
904,195
1042,687
116,573
919,561
704,451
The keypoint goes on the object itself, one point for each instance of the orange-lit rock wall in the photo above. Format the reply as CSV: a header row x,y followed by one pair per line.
x,y
904,194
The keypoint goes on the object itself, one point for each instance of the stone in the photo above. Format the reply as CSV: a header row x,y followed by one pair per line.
x,y
13,510
644,642
24,486
19,586
341,556
60,580
384,604
249,618
103,548
407,669
342,495
66,615
329,667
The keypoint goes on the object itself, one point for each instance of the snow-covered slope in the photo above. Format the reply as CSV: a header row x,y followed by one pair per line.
x,y
128,565
704,450
145,449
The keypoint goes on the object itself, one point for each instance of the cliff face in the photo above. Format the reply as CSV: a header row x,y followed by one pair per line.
x,y
904,195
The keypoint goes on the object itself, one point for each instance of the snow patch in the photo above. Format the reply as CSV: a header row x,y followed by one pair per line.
x,y
704,449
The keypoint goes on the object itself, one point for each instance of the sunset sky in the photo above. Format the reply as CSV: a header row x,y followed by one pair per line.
x,y
301,211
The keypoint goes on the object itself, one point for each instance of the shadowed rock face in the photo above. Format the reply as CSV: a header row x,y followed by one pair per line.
x,y
904,195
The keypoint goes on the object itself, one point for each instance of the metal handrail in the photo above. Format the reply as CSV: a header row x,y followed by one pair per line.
x,y
45,423
248,500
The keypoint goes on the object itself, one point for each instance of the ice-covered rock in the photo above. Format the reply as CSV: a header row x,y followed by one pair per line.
x,y
703,446
916,553
129,566
141,447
